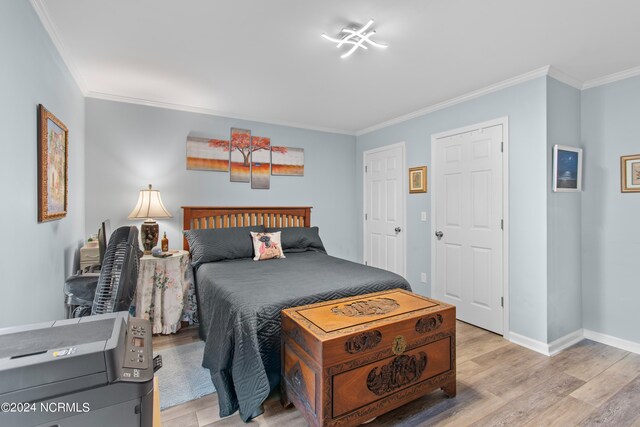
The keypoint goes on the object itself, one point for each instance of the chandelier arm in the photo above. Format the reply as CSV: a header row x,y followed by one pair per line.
x,y
353,49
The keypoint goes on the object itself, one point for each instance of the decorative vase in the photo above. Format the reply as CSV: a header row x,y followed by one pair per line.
x,y
149,233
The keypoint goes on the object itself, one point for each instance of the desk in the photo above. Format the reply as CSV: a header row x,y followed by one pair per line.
x,y
165,293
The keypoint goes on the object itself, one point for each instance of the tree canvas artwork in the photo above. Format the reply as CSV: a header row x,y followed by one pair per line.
x,y
207,154
248,158
260,162
240,155
287,161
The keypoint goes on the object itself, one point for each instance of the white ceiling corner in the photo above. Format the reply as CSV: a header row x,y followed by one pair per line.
x,y
564,78
190,55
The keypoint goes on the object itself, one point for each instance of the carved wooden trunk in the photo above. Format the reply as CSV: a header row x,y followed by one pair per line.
x,y
349,360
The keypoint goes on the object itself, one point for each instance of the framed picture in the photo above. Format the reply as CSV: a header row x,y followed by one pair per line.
x,y
567,169
53,166
240,156
287,161
207,154
630,174
260,162
418,179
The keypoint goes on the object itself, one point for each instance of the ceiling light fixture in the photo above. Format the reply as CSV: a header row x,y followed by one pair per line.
x,y
355,37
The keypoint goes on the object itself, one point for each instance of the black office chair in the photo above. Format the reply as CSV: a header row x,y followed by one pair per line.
x,y
79,291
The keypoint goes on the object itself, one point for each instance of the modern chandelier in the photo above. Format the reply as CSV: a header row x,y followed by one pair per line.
x,y
355,37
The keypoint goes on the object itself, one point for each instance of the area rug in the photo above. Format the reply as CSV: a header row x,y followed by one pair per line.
x,y
182,377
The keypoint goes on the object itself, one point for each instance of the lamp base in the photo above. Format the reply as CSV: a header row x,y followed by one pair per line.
x,y
149,232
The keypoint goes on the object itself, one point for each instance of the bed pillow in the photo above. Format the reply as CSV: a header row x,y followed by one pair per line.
x,y
300,239
219,244
266,246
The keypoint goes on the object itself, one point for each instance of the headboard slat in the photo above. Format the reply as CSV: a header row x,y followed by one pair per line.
x,y
203,217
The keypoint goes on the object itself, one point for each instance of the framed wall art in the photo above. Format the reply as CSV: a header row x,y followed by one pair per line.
x,y
287,161
53,166
567,169
418,179
207,154
260,162
630,174
240,156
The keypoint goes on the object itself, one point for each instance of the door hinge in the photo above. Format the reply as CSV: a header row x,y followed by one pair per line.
x,y
366,169
501,301
502,224
502,147
366,217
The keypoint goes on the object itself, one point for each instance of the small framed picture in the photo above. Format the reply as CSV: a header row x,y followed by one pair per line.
x,y
418,179
630,174
567,169
53,155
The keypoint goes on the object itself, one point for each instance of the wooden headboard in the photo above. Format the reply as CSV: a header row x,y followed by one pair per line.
x,y
199,217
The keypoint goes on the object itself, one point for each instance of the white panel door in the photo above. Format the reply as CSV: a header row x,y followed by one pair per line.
x,y
468,241
384,209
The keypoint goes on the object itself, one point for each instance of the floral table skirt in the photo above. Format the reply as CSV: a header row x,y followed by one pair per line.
x,y
165,294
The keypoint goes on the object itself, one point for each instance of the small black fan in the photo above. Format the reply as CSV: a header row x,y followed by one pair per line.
x,y
119,272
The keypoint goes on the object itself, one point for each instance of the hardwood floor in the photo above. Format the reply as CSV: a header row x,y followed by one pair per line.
x,y
499,384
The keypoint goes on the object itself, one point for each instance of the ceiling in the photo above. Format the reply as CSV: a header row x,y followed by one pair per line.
x,y
265,60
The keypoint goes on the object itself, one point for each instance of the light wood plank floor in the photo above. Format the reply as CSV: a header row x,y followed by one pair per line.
x,y
499,384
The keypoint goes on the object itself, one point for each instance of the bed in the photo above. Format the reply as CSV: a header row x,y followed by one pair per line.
x,y
239,300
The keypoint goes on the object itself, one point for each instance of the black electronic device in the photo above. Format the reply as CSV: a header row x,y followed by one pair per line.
x,y
104,233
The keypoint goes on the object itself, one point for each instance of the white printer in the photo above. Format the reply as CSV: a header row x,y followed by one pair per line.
x,y
90,371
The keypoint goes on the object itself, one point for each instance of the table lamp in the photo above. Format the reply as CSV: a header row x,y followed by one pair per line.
x,y
149,207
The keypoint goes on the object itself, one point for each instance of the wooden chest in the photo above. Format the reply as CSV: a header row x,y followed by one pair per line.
x,y
349,360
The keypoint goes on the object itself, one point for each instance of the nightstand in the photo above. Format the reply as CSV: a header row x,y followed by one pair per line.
x,y
165,294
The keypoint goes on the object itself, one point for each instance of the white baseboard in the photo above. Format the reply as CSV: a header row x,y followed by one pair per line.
x,y
566,341
529,343
620,343
550,349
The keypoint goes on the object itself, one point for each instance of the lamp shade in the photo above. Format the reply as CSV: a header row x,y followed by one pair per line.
x,y
149,206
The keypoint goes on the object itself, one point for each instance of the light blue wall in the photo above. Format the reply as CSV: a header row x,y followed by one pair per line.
x,y
525,105
564,215
130,146
610,227
35,258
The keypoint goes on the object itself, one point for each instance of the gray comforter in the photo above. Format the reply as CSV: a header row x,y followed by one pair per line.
x,y
240,303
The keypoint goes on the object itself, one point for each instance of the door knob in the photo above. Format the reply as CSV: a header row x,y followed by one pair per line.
x,y
398,229
439,234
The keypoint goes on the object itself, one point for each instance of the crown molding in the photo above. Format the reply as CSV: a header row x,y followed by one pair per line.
x,y
548,70
50,28
41,11
563,77
539,72
210,112
632,72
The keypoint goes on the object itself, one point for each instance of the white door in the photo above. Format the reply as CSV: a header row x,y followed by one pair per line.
x,y
468,224
384,208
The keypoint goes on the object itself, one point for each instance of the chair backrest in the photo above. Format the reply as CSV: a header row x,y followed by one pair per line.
x,y
119,272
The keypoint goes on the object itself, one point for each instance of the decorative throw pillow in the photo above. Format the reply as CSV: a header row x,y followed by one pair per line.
x,y
299,239
266,246
218,244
